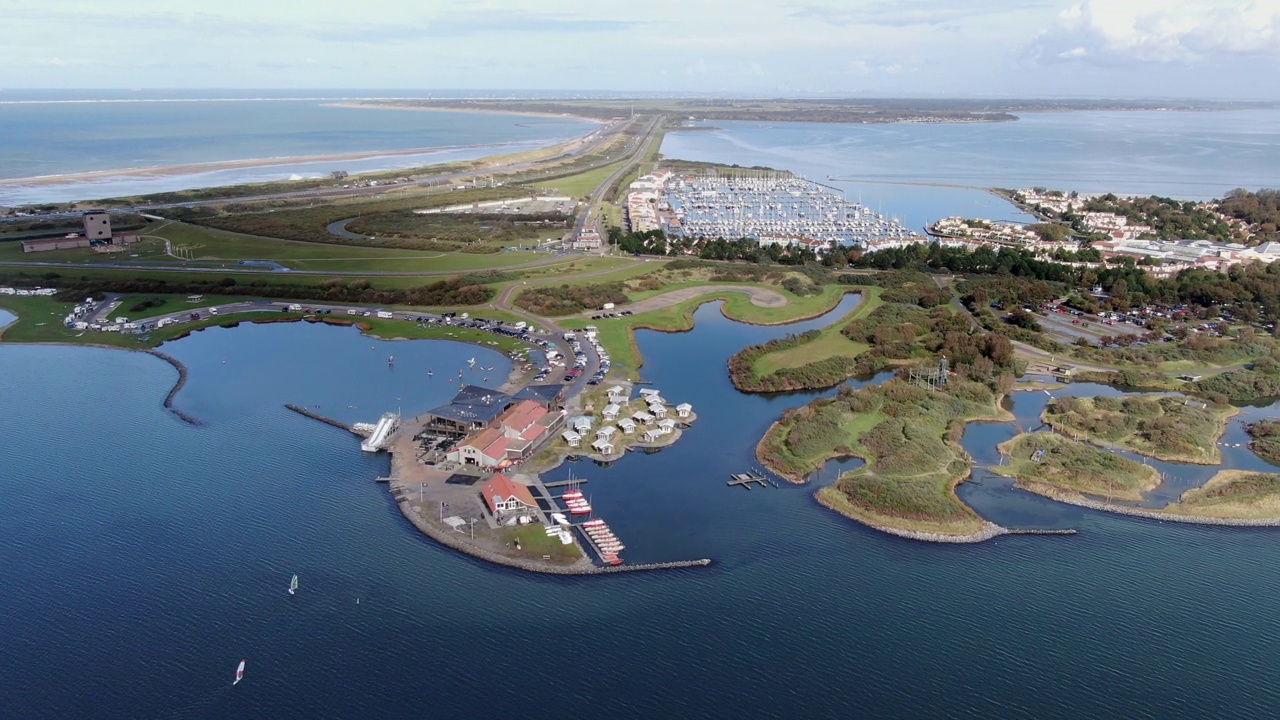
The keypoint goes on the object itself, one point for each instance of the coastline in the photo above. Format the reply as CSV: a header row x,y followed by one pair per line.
x,y
988,530
486,111
216,165
1079,500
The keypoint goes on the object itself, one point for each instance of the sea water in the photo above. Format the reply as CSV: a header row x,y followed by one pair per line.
x,y
144,557
917,171
43,137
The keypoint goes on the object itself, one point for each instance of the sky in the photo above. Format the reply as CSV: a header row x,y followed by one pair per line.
x,y
1212,49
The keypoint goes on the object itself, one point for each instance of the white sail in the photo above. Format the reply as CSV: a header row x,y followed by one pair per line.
x,y
239,673
293,585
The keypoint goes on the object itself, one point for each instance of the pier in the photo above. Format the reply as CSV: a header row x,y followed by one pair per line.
x,y
590,542
747,479
564,483
317,416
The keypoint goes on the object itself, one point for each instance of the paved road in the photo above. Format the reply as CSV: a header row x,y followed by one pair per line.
x,y
639,145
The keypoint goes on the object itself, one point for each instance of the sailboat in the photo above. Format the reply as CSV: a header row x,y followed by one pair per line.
x,y
239,673
391,360
293,585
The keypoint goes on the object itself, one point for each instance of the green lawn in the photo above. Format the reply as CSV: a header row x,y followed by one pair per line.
x,y
170,303
582,184
830,343
618,334
534,543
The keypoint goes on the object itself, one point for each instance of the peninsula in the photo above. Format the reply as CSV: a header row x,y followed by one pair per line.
x,y
557,257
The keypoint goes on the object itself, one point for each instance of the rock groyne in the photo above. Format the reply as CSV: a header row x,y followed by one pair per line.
x,y
326,420
173,392
1085,502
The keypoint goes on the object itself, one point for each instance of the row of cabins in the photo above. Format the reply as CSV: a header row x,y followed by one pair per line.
x,y
653,424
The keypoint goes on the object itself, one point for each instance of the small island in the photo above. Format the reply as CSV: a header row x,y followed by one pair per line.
x,y
1057,467
908,436
1266,440
1172,428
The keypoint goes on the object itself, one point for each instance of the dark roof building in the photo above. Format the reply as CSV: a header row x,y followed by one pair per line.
x,y
550,397
473,408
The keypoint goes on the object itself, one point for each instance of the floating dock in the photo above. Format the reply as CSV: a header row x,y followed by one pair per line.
x,y
747,479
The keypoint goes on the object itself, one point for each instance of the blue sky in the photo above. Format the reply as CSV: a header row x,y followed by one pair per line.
x,y
1025,48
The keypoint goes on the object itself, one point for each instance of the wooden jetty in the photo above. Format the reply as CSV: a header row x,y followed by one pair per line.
x,y
564,483
747,479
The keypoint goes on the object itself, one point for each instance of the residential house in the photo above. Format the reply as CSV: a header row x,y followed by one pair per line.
x,y
507,498
607,432
684,410
602,446
642,417
658,410
572,438
610,412
667,426
627,425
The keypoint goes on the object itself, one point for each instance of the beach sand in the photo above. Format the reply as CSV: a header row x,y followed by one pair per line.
x,y
196,168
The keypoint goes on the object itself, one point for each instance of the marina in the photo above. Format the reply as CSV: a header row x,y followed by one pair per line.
x,y
773,208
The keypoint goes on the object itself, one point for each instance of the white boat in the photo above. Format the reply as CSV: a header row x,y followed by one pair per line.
x,y
391,360
565,538
239,673
293,585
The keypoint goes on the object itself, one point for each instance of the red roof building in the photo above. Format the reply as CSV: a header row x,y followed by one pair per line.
x,y
505,497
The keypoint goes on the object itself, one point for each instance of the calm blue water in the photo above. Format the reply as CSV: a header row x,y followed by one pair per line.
x,y
53,138
144,557
1178,154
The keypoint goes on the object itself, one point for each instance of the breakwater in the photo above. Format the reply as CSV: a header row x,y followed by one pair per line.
x,y
173,392
326,420
988,531
456,541
1084,502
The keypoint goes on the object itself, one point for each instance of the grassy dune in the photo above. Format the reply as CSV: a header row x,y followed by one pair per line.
x,y
908,437
1232,494
1167,427
1044,462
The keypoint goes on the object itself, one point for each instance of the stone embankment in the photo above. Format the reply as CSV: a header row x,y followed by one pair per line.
x,y
451,539
1156,514
989,531
326,420
182,381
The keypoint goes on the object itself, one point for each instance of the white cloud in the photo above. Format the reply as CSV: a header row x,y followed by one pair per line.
x,y
1113,32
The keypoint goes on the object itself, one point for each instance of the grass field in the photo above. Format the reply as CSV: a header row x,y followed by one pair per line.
x,y
167,304
534,543
581,184
829,343
618,334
